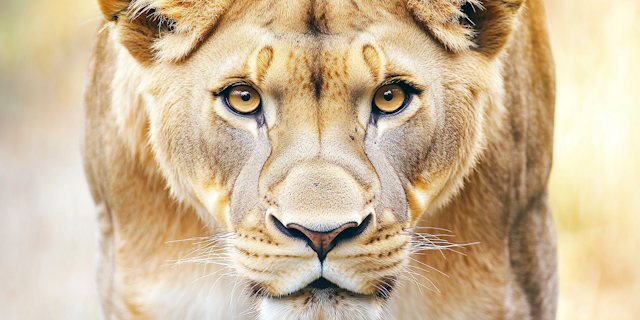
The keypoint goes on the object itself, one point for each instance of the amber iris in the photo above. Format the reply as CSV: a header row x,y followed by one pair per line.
x,y
390,98
243,99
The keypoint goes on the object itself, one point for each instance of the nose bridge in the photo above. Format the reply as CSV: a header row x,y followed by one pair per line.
x,y
325,179
341,143
320,178
294,134
318,175
339,121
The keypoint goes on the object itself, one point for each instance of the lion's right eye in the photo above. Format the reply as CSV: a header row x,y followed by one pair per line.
x,y
243,99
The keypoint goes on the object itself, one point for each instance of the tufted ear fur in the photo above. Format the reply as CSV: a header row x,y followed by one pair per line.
x,y
461,25
162,30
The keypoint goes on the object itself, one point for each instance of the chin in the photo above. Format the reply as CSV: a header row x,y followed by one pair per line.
x,y
321,304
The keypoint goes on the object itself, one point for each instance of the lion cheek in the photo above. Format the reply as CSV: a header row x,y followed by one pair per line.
x,y
424,192
215,199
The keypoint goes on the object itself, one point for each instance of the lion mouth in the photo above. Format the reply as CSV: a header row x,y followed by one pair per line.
x,y
324,287
322,298
321,284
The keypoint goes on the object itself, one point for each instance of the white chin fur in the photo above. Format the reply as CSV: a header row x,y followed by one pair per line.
x,y
321,305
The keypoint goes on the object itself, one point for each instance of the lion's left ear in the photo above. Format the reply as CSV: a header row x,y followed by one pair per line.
x,y
461,25
162,30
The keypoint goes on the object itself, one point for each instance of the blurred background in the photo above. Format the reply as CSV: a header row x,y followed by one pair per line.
x,y
47,223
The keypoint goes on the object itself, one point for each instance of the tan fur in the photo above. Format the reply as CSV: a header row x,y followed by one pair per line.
x,y
187,192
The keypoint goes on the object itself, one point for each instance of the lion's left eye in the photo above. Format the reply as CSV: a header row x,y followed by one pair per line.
x,y
390,98
243,99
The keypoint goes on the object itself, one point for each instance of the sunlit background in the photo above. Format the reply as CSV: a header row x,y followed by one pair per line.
x,y
47,223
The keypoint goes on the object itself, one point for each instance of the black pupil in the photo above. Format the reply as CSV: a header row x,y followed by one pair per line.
x,y
388,95
245,96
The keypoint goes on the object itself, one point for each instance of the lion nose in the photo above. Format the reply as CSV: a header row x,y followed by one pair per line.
x,y
323,242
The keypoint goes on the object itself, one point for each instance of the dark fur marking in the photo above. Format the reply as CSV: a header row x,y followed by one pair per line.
x,y
315,25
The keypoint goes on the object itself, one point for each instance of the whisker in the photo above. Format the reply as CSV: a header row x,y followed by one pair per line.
x,y
207,275
428,266
413,280
422,285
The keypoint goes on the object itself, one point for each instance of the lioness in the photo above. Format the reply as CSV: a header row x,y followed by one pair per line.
x,y
312,159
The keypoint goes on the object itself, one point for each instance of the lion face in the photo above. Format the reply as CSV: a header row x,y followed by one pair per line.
x,y
315,135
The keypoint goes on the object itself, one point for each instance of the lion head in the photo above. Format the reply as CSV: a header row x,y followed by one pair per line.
x,y
312,134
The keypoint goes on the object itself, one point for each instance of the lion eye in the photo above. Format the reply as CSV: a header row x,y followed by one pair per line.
x,y
390,98
243,99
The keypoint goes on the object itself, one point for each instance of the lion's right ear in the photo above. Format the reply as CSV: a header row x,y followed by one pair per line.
x,y
162,30
461,25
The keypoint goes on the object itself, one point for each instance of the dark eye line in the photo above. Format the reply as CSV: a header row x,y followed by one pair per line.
x,y
409,86
225,88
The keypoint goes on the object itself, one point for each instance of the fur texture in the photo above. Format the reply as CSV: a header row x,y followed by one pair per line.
x,y
194,200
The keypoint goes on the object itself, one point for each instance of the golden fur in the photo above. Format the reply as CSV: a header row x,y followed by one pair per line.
x,y
189,194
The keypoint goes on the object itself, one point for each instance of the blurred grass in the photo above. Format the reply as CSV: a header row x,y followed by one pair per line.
x,y
594,187
46,215
47,225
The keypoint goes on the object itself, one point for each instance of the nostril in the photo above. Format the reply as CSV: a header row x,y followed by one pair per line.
x,y
281,227
291,232
353,231
323,242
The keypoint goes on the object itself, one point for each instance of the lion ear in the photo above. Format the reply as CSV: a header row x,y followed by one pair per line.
x,y
162,30
462,25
